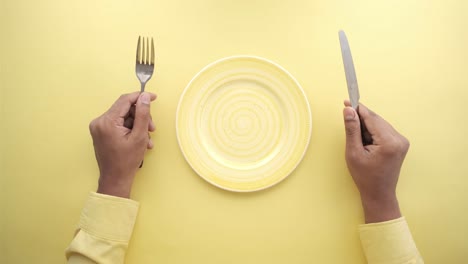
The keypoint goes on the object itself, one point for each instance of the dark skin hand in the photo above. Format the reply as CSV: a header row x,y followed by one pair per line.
x,y
121,138
375,166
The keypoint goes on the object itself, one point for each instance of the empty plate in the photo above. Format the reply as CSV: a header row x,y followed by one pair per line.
x,y
243,123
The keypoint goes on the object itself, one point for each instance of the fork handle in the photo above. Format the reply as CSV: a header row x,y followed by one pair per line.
x,y
142,87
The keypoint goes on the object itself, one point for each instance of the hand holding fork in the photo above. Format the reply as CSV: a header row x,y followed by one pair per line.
x,y
144,69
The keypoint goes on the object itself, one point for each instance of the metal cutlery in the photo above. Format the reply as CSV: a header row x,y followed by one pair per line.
x,y
144,61
351,80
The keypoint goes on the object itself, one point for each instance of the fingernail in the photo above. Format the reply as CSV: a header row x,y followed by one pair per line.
x,y
349,114
145,98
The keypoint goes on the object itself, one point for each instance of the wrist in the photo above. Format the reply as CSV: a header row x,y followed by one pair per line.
x,y
380,209
115,186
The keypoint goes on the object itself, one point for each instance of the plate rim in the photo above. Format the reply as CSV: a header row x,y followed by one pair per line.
x,y
233,57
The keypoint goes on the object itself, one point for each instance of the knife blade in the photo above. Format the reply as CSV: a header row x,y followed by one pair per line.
x,y
350,72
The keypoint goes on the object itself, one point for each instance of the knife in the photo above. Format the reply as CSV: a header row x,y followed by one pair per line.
x,y
350,72
353,88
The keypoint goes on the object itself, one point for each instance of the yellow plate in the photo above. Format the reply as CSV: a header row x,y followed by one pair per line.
x,y
243,123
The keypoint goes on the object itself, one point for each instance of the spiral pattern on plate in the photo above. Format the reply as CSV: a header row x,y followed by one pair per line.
x,y
243,123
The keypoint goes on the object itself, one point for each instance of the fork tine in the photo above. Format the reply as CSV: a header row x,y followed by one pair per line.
x,y
143,55
152,52
147,52
138,50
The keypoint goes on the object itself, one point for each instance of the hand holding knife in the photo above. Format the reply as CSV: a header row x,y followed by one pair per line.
x,y
351,80
374,160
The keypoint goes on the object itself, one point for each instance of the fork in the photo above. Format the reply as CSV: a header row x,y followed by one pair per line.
x,y
144,67
144,61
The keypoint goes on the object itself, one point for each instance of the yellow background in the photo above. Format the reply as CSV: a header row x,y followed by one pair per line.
x,y
64,62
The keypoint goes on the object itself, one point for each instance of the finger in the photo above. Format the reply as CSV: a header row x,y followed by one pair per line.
x,y
150,144
377,127
129,118
353,129
132,111
152,126
121,107
347,102
366,135
142,115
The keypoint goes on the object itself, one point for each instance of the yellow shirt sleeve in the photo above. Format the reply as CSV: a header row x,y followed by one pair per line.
x,y
389,242
105,227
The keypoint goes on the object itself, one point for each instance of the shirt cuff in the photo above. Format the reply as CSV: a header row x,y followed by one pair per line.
x,y
109,217
389,242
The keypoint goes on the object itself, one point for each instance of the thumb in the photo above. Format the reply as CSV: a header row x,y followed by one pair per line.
x,y
142,115
353,128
